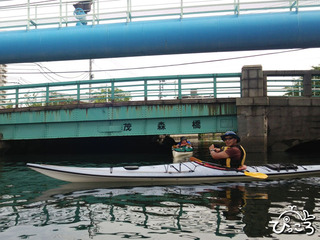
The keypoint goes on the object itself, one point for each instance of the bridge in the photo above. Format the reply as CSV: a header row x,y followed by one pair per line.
x,y
243,102
118,107
185,104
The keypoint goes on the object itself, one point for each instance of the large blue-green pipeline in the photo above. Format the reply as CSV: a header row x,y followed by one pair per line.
x,y
175,36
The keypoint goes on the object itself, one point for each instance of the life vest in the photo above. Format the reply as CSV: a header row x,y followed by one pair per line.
x,y
188,144
234,163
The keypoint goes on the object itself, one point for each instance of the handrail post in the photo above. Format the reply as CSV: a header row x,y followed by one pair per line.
x,y
129,8
181,9
36,15
93,12
17,97
78,92
28,20
146,90
179,89
215,87
47,95
66,15
60,14
112,91
236,7
98,12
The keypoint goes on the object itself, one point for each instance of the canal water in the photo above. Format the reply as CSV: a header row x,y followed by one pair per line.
x,y
33,206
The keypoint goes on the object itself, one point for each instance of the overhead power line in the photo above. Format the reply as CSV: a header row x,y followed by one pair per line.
x,y
46,72
160,66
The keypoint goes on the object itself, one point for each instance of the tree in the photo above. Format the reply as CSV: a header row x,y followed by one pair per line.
x,y
105,96
296,89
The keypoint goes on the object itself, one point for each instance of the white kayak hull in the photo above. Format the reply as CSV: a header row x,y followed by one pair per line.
x,y
176,154
176,173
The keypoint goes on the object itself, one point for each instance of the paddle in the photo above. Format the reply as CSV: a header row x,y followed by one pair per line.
x,y
249,174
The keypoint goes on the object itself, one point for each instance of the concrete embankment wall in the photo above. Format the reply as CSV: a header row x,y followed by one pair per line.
x,y
274,123
293,121
277,123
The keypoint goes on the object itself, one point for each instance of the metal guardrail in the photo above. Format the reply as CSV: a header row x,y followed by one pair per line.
x,y
201,86
124,89
293,83
32,14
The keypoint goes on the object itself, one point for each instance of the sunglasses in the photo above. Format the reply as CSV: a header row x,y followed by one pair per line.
x,y
229,138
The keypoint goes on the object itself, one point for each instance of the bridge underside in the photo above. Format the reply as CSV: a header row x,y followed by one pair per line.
x,y
119,119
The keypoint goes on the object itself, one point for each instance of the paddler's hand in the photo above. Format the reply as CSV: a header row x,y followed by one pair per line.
x,y
212,148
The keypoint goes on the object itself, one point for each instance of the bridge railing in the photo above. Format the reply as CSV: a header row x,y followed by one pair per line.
x,y
124,89
198,86
293,83
29,14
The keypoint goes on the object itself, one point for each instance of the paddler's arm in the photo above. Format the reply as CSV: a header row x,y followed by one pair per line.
x,y
216,153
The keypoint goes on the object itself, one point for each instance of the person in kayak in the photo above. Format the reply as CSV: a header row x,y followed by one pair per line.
x,y
183,146
232,155
184,142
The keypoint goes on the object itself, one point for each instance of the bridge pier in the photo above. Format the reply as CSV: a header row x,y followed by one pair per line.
x,y
251,109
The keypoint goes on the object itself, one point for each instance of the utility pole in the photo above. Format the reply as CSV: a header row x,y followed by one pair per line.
x,y
3,81
90,76
90,69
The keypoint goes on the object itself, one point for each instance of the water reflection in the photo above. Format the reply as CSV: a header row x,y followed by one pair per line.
x,y
33,206
227,210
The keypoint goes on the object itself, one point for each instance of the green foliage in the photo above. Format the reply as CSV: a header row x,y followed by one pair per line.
x,y
32,100
296,89
316,83
60,99
100,96
10,105
105,95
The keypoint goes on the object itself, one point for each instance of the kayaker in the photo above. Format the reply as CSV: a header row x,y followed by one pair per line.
x,y
232,155
184,143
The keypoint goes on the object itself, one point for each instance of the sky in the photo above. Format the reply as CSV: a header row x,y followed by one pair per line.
x,y
225,62
217,62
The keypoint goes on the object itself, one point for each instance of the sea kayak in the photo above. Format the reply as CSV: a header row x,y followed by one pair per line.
x,y
177,154
181,152
192,172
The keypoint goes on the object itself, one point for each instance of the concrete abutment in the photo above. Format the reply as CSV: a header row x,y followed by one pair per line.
x,y
274,123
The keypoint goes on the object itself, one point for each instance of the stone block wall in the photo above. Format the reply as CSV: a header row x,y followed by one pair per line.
x,y
274,123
